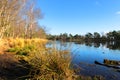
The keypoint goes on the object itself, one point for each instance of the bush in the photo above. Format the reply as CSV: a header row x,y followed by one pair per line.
x,y
52,65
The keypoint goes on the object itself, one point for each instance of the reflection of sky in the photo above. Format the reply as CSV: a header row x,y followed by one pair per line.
x,y
60,46
83,53
90,54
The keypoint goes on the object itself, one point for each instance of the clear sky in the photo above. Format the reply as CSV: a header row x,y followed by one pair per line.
x,y
80,16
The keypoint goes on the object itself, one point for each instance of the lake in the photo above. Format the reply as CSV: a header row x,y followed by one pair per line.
x,y
84,56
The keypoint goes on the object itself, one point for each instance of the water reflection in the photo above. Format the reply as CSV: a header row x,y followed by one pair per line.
x,y
113,45
91,56
90,51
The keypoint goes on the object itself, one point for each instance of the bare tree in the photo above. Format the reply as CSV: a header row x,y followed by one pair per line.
x,y
9,10
32,16
19,18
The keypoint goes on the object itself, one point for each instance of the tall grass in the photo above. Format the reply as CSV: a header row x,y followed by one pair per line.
x,y
44,63
51,64
18,43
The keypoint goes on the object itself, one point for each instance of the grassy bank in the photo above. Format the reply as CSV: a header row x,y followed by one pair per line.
x,y
44,63
22,59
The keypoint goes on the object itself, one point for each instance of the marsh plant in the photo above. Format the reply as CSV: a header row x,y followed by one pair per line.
x,y
51,64
39,62
45,63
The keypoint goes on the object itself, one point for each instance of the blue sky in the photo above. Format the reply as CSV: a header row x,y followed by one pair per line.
x,y
80,16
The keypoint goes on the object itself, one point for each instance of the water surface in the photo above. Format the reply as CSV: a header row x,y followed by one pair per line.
x,y
84,56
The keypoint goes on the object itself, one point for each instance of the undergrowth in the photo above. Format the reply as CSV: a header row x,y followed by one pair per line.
x,y
45,63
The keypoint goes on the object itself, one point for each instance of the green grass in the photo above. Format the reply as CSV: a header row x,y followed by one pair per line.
x,y
22,51
12,50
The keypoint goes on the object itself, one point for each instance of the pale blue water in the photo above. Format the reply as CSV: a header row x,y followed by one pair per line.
x,y
84,57
87,54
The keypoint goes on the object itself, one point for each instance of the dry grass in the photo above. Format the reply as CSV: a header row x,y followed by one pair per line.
x,y
47,64
44,63
8,43
51,64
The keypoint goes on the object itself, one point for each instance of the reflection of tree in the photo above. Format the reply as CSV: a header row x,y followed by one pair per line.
x,y
63,44
103,43
113,45
88,43
97,44
110,39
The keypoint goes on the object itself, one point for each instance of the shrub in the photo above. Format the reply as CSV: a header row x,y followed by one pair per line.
x,y
52,65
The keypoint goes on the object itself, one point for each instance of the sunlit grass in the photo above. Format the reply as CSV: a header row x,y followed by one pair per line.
x,y
20,43
52,65
45,63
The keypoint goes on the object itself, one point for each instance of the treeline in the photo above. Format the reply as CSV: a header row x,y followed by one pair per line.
x,y
96,37
19,18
